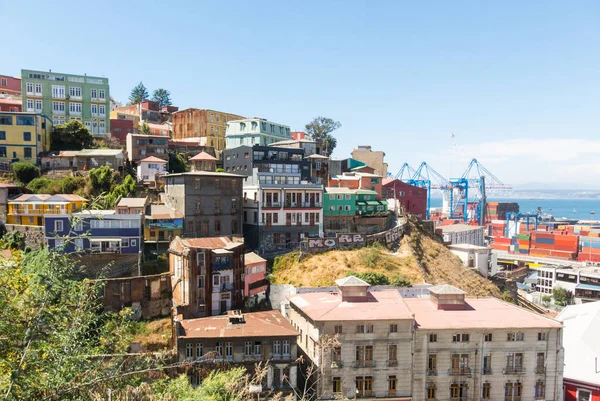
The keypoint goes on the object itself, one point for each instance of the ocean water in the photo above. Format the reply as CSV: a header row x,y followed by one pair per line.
x,y
569,208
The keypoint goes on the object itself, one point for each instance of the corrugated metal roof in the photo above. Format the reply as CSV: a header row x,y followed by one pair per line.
x,y
251,258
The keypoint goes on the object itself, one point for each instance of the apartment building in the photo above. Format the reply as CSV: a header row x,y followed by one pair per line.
x,y
94,231
443,347
140,146
243,340
281,205
211,202
582,284
207,275
63,97
23,136
150,169
29,210
371,158
255,131
205,127
463,234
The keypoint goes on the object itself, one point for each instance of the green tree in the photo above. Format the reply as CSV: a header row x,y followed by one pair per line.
x,y
400,281
320,129
127,188
177,163
24,172
560,295
546,299
373,278
72,135
138,94
162,96
102,179
145,128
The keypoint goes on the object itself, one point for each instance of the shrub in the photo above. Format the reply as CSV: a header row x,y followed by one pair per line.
x,y
400,281
38,185
25,172
370,257
560,295
373,278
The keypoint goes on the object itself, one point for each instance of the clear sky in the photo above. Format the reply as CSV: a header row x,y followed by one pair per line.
x,y
517,82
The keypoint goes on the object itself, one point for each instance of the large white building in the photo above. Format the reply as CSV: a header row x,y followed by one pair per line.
x,y
463,234
444,347
583,284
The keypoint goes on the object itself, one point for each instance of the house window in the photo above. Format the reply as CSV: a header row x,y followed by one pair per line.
x,y
488,337
276,347
29,104
337,329
541,336
337,385
286,347
433,338
75,91
219,349
38,105
513,390
336,354
58,225
391,384
27,136
133,242
6,120
189,350
584,395
25,120
58,91
125,242
392,353
257,348
460,338
431,392
27,153
199,352
539,390
331,197
520,336
393,328
2,151
74,107
101,94
514,362
29,87
94,109
248,348
369,328
94,93
487,391
58,107
38,89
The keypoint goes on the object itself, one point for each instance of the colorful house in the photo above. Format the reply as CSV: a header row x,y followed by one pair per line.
x,y
255,275
358,180
30,209
162,224
23,136
413,199
339,202
150,168
94,231
367,203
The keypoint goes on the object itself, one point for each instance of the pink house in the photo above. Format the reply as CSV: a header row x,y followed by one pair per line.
x,y
255,274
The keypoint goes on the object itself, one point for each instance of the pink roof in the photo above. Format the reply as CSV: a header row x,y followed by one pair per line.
x,y
204,156
327,306
48,198
479,313
257,324
153,159
252,258
209,243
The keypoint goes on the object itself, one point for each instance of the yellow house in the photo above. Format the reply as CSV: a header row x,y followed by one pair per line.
x,y
126,115
29,210
23,136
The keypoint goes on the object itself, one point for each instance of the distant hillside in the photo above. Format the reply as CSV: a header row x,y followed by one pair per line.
x,y
419,259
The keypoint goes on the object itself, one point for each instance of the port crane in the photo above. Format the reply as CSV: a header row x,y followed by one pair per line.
x,y
467,195
405,170
427,177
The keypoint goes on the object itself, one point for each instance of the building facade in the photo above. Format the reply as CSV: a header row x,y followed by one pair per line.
x,y
10,85
141,146
84,159
255,131
63,97
371,158
151,168
358,180
463,234
255,275
207,275
413,200
161,225
443,347
132,206
210,202
120,128
29,210
23,136
339,202
11,103
205,127
96,231
582,284
243,340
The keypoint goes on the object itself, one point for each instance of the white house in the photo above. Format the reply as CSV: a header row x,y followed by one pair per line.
x,y
149,168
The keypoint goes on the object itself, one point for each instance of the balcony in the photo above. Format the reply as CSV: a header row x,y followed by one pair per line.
x,y
392,362
75,113
106,249
364,393
59,112
512,398
281,357
227,287
75,98
431,372
37,212
540,370
98,100
364,364
513,370
459,372
486,371
293,205
271,204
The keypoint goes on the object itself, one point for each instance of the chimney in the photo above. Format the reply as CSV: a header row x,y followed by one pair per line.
x,y
447,297
235,317
352,289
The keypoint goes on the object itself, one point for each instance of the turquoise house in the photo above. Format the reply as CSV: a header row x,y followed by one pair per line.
x,y
367,203
339,202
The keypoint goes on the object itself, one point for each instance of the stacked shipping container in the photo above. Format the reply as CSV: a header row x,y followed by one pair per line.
x,y
554,245
590,248
498,210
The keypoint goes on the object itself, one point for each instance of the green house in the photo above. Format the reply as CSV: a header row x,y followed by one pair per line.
x,y
367,203
339,202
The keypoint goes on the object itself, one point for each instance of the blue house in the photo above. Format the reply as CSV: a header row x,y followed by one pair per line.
x,y
95,231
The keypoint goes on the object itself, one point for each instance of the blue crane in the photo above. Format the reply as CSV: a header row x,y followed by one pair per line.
x,y
517,217
405,170
423,177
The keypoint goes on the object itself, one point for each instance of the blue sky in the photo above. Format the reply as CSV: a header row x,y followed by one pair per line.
x,y
517,82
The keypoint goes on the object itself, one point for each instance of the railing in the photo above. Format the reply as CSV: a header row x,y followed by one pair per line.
x,y
271,204
227,287
512,398
38,211
392,362
431,372
513,370
364,393
486,371
459,371
540,370
364,364
302,204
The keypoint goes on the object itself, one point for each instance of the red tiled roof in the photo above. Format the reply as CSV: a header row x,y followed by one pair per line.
x,y
257,324
479,313
204,156
153,159
377,305
208,243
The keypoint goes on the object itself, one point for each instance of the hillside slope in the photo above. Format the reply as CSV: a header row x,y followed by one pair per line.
x,y
419,259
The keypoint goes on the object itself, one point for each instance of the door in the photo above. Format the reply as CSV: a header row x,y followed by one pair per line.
x,y
223,306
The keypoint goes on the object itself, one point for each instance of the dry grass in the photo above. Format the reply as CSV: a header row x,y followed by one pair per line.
x,y
155,335
439,266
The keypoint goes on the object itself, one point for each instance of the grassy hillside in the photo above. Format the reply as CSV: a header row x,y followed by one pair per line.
x,y
419,259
